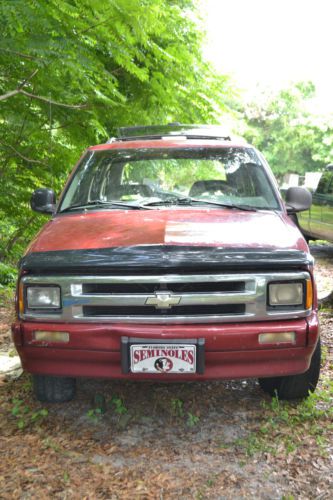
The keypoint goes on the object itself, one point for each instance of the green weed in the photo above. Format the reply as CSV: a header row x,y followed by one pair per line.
x,y
49,444
101,406
25,415
192,419
94,415
66,477
118,405
210,482
254,443
177,407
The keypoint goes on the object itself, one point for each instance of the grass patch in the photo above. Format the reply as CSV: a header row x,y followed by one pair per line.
x,y
287,427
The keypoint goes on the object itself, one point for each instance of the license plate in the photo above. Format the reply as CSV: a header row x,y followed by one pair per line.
x,y
163,358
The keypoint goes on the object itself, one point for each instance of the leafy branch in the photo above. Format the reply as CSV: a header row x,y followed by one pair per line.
x,y
20,54
25,158
20,90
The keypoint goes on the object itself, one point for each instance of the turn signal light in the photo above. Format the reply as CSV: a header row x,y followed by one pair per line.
x,y
20,299
44,336
277,338
309,294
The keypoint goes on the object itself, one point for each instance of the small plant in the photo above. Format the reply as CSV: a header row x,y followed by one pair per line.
x,y
252,444
25,415
101,405
118,405
49,444
210,482
192,419
177,407
94,414
66,477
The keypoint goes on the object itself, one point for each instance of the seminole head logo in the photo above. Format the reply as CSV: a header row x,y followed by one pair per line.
x,y
163,365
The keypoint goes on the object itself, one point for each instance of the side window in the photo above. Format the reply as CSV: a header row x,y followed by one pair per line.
x,y
325,185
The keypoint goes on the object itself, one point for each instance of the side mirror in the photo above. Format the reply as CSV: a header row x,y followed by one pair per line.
x,y
43,200
298,199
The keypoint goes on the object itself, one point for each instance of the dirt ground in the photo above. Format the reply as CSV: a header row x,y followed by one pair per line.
x,y
214,440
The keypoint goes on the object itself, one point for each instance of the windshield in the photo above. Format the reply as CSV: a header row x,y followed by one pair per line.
x,y
153,178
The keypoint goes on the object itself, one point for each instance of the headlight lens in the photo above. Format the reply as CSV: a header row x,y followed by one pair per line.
x,y
285,294
43,297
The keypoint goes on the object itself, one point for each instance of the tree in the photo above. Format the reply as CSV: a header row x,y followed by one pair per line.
x,y
292,139
72,71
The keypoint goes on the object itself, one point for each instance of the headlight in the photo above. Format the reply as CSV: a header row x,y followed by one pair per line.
x,y
43,297
285,294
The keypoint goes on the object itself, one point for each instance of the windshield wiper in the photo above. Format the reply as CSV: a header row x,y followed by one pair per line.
x,y
96,203
189,201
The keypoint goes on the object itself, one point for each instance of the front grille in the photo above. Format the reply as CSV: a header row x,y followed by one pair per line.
x,y
109,288
165,298
100,311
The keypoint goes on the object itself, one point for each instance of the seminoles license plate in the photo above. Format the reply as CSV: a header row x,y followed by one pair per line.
x,y
163,358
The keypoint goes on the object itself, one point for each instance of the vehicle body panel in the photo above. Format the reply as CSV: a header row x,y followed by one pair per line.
x,y
317,222
197,227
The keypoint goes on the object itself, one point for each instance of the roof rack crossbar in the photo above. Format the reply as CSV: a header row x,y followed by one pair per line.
x,y
156,132
160,137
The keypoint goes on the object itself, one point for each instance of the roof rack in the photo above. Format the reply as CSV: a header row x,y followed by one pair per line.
x,y
154,132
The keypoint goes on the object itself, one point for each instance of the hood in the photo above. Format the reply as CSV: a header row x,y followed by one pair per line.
x,y
187,227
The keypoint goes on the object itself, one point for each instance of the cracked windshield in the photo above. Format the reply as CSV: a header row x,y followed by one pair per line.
x,y
141,179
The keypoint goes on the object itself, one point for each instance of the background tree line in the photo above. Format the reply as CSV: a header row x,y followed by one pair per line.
x,y
72,71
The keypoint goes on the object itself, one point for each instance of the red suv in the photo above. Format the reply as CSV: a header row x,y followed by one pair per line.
x,y
169,256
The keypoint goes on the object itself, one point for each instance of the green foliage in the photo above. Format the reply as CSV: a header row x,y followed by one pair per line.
x,y
177,407
8,275
72,71
291,138
178,411
101,406
192,419
25,415
118,405
94,414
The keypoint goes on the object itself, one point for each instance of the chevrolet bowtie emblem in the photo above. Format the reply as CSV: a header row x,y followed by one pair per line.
x,y
163,300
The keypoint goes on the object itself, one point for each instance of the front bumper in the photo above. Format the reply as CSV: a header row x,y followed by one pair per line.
x,y
231,350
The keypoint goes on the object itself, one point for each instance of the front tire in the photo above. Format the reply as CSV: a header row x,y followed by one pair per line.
x,y
295,386
49,389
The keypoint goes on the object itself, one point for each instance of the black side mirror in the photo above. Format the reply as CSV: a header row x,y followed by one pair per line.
x,y
298,199
43,200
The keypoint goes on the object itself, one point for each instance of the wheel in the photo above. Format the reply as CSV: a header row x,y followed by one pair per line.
x,y
295,386
49,389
